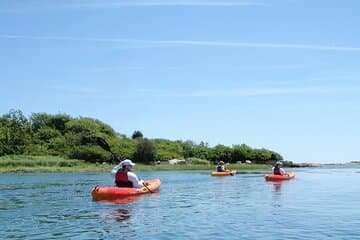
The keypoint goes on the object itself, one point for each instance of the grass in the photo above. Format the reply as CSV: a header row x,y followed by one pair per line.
x,y
22,163
168,167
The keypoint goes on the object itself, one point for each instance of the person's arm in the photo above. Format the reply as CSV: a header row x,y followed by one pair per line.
x,y
115,169
137,183
282,171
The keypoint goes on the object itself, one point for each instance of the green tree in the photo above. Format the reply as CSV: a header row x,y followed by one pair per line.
x,y
145,151
261,155
241,153
166,149
42,120
221,152
137,134
15,133
124,147
202,151
188,148
275,157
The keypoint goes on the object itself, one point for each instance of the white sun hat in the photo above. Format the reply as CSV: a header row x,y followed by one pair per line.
x,y
127,162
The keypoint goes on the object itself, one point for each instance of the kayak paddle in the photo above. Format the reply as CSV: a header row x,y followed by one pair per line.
x,y
102,143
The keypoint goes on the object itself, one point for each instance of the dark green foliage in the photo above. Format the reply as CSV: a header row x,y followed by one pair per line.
x,y
221,152
201,151
137,134
123,147
89,153
261,156
188,148
41,120
241,153
67,137
15,132
166,149
145,151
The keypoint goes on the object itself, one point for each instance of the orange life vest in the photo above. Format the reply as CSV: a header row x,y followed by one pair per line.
x,y
122,180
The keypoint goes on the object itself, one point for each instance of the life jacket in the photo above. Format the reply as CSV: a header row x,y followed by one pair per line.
x,y
220,168
276,171
122,180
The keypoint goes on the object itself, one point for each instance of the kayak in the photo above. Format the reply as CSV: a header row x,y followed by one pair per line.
x,y
109,193
272,177
222,174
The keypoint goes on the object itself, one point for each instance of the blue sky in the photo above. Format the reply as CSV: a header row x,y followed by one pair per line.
x,y
281,75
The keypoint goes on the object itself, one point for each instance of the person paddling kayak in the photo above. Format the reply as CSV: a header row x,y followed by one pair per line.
x,y
221,167
124,177
278,170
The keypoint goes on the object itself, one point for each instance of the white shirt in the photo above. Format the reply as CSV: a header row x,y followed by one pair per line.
x,y
137,183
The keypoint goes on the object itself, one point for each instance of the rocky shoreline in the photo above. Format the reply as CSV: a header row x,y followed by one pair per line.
x,y
294,165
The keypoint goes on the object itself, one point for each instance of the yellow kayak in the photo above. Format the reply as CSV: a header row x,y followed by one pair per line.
x,y
223,174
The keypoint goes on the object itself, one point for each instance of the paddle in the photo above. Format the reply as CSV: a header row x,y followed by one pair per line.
x,y
230,171
102,143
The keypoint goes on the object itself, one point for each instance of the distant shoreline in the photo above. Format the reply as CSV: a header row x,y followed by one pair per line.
x,y
323,164
50,164
53,164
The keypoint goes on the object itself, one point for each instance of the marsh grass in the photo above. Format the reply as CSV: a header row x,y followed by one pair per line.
x,y
168,167
23,163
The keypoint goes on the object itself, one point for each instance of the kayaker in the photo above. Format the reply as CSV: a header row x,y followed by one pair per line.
x,y
221,167
124,177
278,170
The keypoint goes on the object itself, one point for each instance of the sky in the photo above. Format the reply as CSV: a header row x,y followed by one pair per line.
x,y
277,74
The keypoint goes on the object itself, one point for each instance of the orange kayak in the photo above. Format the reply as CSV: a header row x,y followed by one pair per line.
x,y
272,177
222,174
109,193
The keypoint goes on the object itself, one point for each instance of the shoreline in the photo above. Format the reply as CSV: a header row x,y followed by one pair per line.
x,y
52,164
137,168
18,164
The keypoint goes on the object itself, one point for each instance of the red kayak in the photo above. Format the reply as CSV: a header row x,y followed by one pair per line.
x,y
272,177
110,193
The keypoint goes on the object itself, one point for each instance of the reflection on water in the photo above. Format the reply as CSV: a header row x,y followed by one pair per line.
x,y
277,186
119,215
128,199
276,196
122,200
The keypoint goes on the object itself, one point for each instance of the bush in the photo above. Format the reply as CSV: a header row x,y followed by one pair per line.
x,y
89,153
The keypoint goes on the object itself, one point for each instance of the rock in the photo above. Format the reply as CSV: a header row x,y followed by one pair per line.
x,y
177,161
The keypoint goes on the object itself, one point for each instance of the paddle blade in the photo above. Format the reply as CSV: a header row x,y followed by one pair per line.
x,y
102,143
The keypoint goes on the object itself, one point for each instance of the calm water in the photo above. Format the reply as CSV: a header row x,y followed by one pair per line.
x,y
320,203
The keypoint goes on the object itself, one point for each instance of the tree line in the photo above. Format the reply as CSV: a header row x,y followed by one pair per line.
x,y
61,135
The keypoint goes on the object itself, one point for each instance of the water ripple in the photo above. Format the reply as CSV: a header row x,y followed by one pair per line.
x,y
190,205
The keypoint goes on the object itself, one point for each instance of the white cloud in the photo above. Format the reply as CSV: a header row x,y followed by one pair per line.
x,y
244,92
43,5
131,43
264,45
167,3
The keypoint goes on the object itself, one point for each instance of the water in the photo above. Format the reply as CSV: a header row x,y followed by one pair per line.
x,y
320,203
